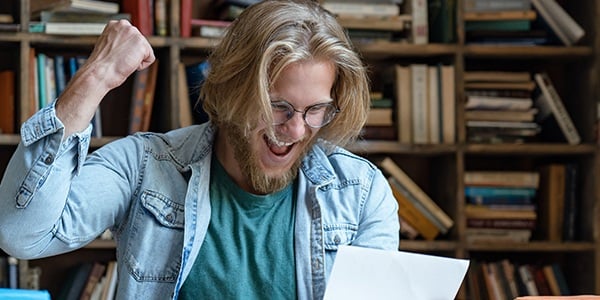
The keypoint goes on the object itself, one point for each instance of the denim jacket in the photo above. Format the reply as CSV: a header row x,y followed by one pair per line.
x,y
151,190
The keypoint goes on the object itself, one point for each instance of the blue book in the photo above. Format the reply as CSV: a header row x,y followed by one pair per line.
x,y
493,200
478,191
21,294
41,73
59,71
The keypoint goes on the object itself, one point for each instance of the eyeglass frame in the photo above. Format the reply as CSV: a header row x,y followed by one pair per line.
x,y
292,110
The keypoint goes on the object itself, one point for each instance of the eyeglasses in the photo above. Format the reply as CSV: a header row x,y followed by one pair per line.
x,y
315,116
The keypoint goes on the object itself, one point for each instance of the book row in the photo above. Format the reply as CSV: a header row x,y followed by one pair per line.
x,y
504,279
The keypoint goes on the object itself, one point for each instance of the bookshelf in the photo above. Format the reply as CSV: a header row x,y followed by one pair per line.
x,y
437,168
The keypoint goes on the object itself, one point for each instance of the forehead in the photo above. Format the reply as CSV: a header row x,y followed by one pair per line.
x,y
304,83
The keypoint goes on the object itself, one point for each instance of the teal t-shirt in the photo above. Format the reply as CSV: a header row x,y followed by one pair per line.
x,y
248,252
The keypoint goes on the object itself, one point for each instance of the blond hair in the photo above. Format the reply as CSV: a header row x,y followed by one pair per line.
x,y
260,43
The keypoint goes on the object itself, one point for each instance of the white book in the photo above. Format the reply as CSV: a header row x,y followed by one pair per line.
x,y
550,100
563,25
67,28
419,103
363,9
498,103
420,25
434,111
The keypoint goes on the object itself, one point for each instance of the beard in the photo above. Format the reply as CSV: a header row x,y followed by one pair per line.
x,y
247,159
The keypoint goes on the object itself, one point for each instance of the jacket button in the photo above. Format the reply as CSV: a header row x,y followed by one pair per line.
x,y
337,239
49,159
170,217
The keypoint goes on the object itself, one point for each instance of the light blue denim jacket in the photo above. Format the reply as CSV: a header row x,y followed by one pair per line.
x,y
151,190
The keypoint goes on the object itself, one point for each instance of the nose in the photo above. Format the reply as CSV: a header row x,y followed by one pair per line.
x,y
294,128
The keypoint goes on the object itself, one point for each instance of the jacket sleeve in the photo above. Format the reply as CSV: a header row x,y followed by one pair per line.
x,y
379,223
44,209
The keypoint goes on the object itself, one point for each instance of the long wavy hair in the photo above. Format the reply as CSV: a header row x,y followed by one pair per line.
x,y
260,43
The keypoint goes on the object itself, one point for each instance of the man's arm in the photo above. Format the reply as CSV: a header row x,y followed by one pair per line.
x,y
119,51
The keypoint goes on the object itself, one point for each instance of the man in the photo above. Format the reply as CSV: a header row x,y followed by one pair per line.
x,y
251,205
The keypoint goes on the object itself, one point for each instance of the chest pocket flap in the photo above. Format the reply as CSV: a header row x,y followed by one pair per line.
x,y
167,212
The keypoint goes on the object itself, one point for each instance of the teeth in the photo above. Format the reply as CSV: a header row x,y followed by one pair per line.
x,y
279,143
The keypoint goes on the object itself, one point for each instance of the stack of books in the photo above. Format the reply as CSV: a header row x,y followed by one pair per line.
x,y
370,21
499,106
73,17
502,22
419,214
500,205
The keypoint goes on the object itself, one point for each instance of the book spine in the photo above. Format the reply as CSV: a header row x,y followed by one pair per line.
x,y
419,103
558,108
186,18
403,104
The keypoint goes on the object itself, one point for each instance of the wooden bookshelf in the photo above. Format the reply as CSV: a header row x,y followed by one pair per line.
x,y
438,169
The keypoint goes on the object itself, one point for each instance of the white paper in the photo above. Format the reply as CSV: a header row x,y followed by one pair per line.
x,y
363,273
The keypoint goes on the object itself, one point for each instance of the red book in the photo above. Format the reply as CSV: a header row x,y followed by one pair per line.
x,y
141,15
186,18
7,102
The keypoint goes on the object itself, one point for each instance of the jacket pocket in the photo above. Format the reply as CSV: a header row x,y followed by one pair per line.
x,y
338,235
155,240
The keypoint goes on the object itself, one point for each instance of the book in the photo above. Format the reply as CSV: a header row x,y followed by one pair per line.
x,y
501,223
149,94
209,28
551,279
161,17
141,15
540,281
490,191
500,15
386,23
491,281
75,282
494,5
561,23
379,117
419,27
92,280
403,103
485,212
502,178
481,102
419,103
108,290
185,18
551,108
411,212
571,209
498,85
361,9
137,100
527,279
407,230
69,28
434,104
441,20
560,279
507,269
551,202
442,220
7,102
448,92
497,235
37,6
496,76
501,115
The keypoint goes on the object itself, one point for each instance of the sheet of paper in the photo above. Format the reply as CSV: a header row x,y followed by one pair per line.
x,y
362,273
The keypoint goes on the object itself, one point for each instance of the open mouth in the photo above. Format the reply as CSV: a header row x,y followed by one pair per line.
x,y
277,147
